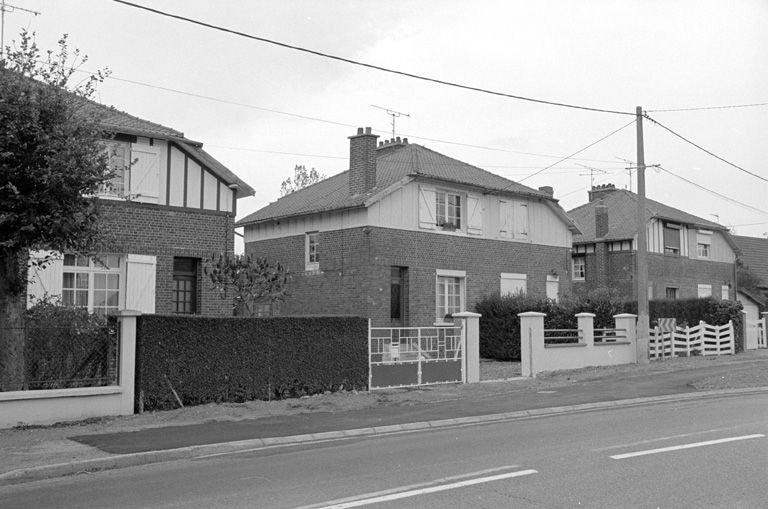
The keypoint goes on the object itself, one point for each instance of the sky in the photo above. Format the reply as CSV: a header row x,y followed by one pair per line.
x,y
262,109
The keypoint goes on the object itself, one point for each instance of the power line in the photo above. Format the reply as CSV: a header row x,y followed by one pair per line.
x,y
728,198
705,150
579,151
363,64
702,108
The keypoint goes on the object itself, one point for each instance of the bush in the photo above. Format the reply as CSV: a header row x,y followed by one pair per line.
x,y
500,325
67,347
207,360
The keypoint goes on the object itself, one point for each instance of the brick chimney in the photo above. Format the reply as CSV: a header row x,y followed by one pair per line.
x,y
598,192
601,220
362,161
548,190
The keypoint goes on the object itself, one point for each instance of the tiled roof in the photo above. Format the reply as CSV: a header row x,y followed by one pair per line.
x,y
392,165
115,120
622,213
754,254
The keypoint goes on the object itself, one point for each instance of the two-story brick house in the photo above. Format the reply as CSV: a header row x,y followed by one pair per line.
x,y
408,236
169,206
688,256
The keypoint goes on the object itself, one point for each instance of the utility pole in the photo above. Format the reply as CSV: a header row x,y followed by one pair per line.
x,y
4,7
643,321
394,115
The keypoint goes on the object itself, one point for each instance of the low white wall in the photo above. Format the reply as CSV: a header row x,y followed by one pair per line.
x,y
536,357
57,405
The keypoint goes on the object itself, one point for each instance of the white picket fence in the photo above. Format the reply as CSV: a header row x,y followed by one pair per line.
x,y
703,339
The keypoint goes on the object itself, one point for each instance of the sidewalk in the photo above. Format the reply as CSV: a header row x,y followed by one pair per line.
x,y
30,452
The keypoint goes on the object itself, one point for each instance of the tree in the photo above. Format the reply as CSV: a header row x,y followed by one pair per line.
x,y
301,179
52,163
254,281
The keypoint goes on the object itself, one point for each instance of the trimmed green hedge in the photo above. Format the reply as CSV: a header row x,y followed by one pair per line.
x,y
500,325
236,359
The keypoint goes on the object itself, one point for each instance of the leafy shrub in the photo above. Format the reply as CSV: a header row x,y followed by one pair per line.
x,y
234,359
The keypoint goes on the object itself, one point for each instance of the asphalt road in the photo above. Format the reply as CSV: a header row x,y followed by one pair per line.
x,y
700,453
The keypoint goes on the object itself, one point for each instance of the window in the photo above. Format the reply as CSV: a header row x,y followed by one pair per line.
x,y
185,286
553,287
672,238
704,243
725,292
450,294
584,248
312,253
91,284
398,277
579,269
448,210
512,284
704,291
620,245
119,154
671,293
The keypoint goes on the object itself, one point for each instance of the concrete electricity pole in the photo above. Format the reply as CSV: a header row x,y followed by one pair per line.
x,y
641,276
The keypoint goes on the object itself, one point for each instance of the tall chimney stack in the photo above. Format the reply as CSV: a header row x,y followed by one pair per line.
x,y
362,161
601,220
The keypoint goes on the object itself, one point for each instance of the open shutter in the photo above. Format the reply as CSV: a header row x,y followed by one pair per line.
x,y
427,208
474,215
505,218
45,280
521,220
145,173
140,283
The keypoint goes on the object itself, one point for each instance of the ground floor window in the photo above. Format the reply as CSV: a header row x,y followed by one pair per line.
x,y
450,294
91,283
725,292
553,287
579,269
185,285
704,291
671,293
398,276
513,284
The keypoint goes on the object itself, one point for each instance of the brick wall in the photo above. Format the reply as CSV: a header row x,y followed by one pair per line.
x,y
355,268
167,232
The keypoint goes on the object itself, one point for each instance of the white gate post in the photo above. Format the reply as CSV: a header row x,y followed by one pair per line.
x,y
586,325
763,342
531,340
628,322
127,359
470,333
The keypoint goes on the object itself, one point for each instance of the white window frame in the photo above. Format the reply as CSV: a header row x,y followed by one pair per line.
x,y
450,214
91,271
311,255
117,186
582,274
725,291
704,244
514,283
553,287
443,277
704,290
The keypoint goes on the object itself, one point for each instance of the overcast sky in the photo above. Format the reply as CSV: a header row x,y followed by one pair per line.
x,y
275,107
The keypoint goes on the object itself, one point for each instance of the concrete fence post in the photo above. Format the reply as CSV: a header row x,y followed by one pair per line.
x,y
531,340
764,342
628,322
586,325
471,333
127,372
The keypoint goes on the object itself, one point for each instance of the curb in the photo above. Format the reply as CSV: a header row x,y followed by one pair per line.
x,y
209,450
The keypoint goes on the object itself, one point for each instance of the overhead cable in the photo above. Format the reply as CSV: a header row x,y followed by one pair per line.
x,y
702,108
367,65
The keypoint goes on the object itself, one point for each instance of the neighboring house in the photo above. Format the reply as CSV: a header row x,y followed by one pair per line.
x,y
754,257
408,236
688,256
169,206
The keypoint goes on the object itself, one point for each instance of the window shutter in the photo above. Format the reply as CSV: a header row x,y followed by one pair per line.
x,y
505,218
427,208
521,220
145,174
47,279
140,283
474,215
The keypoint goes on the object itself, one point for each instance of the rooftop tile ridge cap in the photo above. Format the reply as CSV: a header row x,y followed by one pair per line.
x,y
121,112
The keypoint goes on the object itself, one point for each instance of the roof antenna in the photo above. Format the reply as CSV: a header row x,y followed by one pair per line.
x,y
592,173
394,114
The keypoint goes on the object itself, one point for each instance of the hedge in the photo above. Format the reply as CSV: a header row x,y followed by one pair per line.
x,y
500,325
232,359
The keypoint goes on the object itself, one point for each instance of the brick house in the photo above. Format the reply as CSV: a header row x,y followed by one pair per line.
x,y
408,236
753,255
169,206
688,256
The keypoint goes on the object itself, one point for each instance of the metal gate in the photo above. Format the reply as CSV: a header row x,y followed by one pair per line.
x,y
411,356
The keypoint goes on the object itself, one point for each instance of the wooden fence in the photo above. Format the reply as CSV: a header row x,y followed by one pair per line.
x,y
703,339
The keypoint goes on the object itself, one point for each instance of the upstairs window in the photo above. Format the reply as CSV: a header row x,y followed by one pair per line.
x,y
448,210
311,253
672,238
704,244
119,154
620,245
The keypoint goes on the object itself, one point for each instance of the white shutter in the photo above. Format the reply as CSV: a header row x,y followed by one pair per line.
x,y
145,173
474,215
521,220
140,283
505,218
46,280
427,203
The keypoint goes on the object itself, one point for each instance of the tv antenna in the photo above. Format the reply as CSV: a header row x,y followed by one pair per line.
x,y
394,114
4,7
592,173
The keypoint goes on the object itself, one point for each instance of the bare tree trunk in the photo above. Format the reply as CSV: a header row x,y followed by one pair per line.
x,y
12,306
